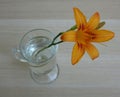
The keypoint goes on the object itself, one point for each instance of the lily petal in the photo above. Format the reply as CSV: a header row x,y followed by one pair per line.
x,y
79,18
94,21
77,53
92,51
69,36
102,35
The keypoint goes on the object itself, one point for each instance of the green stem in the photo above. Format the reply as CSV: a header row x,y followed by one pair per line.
x,y
57,42
48,47
53,41
42,49
57,36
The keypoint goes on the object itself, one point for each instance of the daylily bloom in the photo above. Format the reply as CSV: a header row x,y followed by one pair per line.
x,y
85,34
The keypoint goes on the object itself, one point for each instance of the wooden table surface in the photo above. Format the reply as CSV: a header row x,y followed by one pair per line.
x,y
98,78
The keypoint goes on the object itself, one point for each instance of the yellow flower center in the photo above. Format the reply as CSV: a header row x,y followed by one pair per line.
x,y
82,37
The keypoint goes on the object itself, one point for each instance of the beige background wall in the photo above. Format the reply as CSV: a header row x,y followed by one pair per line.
x,y
57,9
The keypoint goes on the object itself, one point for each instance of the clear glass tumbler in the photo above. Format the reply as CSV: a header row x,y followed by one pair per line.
x,y
43,66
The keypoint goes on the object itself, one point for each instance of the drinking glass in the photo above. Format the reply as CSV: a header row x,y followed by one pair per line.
x,y
42,62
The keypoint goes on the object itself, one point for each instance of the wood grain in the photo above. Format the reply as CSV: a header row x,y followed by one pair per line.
x,y
57,9
99,78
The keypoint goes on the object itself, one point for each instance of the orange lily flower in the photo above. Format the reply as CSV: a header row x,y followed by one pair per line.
x,y
86,33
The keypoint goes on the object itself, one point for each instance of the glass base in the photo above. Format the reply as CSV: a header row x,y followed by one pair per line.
x,y
47,77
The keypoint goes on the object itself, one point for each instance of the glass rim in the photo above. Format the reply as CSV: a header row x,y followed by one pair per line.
x,y
21,41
